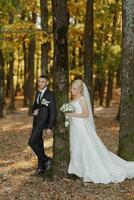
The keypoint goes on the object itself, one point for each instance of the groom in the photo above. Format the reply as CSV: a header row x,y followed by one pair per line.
x,y
44,112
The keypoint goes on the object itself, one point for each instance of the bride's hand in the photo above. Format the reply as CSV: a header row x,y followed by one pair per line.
x,y
68,114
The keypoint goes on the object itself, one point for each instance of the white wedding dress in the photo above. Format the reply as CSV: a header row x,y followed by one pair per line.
x,y
89,158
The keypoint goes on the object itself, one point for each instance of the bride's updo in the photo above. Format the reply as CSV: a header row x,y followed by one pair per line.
x,y
79,83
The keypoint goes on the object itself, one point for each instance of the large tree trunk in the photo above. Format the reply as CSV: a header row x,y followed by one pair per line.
x,y
61,136
126,138
88,51
45,45
1,83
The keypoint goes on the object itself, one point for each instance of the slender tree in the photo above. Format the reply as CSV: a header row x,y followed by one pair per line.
x,y
11,71
45,45
126,137
11,82
111,69
88,51
25,87
31,53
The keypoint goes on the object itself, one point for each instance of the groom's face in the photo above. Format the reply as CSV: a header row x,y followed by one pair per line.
x,y
42,83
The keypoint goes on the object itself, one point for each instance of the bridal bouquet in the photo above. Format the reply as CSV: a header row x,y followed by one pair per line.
x,y
67,108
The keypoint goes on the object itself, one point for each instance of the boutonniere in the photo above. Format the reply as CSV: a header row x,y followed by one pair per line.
x,y
45,102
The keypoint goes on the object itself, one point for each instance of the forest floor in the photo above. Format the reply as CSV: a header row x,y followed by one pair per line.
x,y
18,163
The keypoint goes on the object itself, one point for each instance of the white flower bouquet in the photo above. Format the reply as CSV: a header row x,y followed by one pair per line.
x,y
67,108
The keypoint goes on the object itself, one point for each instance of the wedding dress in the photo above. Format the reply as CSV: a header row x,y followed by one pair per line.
x,y
89,158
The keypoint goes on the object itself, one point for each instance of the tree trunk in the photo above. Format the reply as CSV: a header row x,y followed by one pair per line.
x,y
118,113
80,53
60,72
11,72
17,89
126,137
45,45
109,87
25,54
118,76
73,58
7,80
31,74
37,71
111,69
31,53
102,91
11,82
1,83
88,51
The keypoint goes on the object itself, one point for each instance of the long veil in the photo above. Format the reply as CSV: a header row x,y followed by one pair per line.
x,y
87,98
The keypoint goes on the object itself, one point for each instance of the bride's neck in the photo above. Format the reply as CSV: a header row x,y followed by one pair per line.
x,y
77,96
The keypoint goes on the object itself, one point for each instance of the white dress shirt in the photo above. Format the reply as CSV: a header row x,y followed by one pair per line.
x,y
42,92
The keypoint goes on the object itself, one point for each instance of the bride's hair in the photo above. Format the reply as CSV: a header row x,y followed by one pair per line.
x,y
79,83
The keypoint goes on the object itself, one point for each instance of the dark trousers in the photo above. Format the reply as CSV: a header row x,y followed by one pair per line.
x,y
36,143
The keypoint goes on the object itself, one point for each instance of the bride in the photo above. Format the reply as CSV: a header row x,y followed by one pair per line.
x,y
90,159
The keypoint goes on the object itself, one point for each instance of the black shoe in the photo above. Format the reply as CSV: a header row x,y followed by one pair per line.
x,y
39,171
48,165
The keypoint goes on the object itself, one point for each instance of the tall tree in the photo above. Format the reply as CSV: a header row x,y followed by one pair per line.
x,y
11,70
25,57
88,51
45,45
111,68
126,137
11,82
60,72
31,52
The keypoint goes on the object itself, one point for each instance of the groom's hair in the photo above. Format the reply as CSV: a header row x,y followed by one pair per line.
x,y
44,76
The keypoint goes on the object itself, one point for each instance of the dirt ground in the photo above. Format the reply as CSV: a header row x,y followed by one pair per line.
x,y
18,163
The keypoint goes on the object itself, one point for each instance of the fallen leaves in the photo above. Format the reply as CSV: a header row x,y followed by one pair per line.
x,y
18,163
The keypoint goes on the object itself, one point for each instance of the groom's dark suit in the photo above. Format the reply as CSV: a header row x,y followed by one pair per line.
x,y
44,120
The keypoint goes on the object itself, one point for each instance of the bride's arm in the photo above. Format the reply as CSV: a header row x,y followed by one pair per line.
x,y
85,112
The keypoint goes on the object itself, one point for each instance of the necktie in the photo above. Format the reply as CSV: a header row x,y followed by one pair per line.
x,y
39,97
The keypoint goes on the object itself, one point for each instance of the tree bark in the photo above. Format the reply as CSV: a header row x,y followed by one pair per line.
x,y
60,80
126,136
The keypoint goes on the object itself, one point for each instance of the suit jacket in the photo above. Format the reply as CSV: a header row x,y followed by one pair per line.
x,y
47,113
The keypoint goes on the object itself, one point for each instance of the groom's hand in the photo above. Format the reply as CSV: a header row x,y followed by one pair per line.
x,y
49,131
35,113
